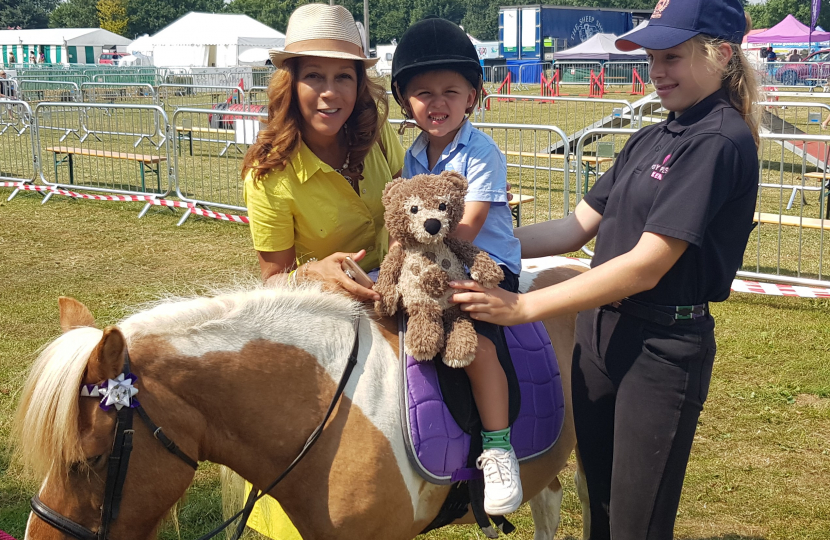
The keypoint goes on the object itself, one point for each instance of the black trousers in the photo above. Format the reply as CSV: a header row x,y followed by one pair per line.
x,y
638,390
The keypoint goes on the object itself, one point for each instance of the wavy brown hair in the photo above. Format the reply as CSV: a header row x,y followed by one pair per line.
x,y
279,138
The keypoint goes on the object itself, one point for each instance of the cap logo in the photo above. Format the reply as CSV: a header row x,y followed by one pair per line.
x,y
658,9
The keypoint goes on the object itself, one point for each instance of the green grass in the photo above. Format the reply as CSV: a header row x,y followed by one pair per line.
x,y
760,468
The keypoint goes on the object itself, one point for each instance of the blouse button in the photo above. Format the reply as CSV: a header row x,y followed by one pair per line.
x,y
364,190
370,248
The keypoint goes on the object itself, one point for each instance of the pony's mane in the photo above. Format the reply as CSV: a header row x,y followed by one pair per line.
x,y
247,306
47,419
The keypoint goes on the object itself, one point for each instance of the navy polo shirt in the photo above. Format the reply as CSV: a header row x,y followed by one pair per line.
x,y
692,177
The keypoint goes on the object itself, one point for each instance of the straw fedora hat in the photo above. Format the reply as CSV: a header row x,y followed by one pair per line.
x,y
321,30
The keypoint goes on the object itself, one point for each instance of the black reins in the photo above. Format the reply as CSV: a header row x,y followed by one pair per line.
x,y
119,460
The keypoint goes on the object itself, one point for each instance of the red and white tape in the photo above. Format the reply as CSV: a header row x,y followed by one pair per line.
x,y
774,289
129,198
530,266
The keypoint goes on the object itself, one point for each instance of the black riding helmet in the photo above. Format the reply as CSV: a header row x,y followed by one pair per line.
x,y
433,44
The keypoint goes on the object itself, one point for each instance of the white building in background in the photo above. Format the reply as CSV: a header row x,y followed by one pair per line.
x,y
211,40
59,45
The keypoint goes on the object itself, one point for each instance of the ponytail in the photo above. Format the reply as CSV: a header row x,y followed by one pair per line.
x,y
738,79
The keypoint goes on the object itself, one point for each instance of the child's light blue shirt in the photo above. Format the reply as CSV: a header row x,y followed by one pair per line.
x,y
477,157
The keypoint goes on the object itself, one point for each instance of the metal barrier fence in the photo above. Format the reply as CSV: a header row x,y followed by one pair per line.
x,y
207,161
203,163
107,157
651,112
257,95
568,113
137,75
9,89
530,74
17,151
539,179
58,75
117,92
35,91
793,73
789,245
576,72
176,96
795,117
622,73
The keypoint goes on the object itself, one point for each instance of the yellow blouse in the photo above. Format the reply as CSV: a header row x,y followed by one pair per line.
x,y
311,207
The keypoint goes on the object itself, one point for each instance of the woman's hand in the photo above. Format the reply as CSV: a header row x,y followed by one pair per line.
x,y
330,272
490,305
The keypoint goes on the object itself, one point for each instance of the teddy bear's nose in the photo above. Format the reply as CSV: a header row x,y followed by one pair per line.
x,y
432,226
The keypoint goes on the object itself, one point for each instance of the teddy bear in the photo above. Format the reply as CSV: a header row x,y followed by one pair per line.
x,y
421,213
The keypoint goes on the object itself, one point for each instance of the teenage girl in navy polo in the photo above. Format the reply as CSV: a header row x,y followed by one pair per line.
x,y
672,218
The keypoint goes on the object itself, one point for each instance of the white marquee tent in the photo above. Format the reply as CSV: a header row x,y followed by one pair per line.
x,y
59,45
211,40
599,47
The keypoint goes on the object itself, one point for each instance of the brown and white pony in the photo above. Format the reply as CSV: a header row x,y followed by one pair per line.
x,y
241,379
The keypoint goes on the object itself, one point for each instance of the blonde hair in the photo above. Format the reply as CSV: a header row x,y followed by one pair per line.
x,y
280,138
47,418
738,78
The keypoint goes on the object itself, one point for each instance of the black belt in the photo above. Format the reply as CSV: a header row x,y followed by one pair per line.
x,y
663,315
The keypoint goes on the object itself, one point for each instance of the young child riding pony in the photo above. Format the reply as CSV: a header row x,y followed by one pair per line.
x,y
437,80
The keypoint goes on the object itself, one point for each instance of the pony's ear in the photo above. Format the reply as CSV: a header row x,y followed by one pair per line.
x,y
73,314
107,360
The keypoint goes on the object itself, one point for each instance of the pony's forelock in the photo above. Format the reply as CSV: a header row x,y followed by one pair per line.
x,y
47,419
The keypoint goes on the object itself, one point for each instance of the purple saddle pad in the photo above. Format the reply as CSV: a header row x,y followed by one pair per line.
x,y
438,448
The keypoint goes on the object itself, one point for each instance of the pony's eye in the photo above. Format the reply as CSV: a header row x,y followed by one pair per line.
x,y
414,209
94,461
442,207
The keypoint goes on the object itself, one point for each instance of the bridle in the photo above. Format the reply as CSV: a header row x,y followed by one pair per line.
x,y
119,457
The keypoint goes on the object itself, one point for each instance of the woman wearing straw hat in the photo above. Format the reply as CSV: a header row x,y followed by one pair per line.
x,y
314,177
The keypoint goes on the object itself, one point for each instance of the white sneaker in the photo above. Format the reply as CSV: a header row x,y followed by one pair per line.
x,y
502,484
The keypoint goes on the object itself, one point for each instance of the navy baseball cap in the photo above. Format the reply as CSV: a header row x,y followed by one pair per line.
x,y
676,21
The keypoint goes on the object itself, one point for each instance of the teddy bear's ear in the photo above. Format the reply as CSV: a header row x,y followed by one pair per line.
x,y
390,188
456,179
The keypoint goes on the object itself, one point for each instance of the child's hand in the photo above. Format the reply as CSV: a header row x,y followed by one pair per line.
x,y
490,305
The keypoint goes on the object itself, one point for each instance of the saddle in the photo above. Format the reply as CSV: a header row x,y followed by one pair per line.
x,y
441,426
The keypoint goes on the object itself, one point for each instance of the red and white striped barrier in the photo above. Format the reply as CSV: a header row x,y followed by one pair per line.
x,y
531,267
774,289
149,199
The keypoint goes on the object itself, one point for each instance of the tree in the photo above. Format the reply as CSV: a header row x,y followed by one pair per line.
x,y
75,14
772,12
482,19
26,13
273,13
113,16
452,10
150,16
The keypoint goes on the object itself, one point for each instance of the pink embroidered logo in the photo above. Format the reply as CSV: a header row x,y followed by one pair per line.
x,y
657,171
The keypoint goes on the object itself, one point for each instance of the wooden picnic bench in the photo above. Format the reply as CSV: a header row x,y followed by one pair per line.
x,y
182,131
516,206
791,221
144,161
